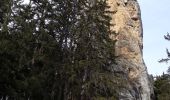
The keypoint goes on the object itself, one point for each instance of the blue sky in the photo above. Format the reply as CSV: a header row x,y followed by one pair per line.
x,y
156,23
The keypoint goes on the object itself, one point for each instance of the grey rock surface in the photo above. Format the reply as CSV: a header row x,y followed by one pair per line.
x,y
128,27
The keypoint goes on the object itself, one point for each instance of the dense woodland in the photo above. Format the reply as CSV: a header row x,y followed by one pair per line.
x,y
61,50
161,87
162,83
56,50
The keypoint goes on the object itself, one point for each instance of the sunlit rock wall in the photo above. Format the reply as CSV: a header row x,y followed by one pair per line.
x,y
126,19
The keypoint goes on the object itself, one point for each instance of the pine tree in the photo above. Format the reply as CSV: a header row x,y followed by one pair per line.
x,y
58,50
163,82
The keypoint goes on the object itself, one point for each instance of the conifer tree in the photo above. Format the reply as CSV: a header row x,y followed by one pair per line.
x,y
162,82
57,50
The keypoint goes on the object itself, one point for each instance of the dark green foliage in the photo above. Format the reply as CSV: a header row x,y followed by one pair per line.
x,y
57,50
167,37
162,89
162,83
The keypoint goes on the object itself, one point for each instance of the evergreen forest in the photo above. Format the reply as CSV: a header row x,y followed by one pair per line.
x,y
56,50
62,50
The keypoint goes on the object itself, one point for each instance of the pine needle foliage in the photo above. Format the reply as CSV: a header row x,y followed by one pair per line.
x,y
162,82
57,50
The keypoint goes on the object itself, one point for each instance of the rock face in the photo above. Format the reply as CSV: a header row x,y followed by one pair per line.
x,y
128,27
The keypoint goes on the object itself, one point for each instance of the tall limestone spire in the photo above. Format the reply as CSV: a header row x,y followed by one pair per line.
x,y
128,27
